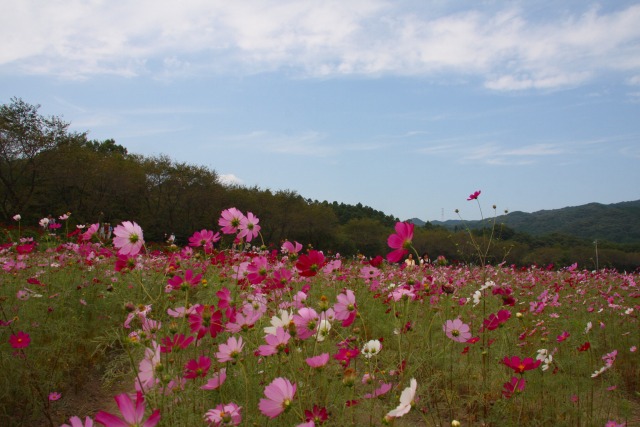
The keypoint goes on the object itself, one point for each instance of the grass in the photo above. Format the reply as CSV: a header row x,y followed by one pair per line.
x,y
73,305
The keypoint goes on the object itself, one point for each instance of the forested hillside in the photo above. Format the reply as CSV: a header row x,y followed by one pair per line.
x,y
47,170
618,222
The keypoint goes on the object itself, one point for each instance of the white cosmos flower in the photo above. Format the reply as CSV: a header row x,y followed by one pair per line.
x,y
588,328
283,321
323,330
406,400
371,348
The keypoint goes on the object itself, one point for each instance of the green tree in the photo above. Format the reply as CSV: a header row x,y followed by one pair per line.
x,y
24,136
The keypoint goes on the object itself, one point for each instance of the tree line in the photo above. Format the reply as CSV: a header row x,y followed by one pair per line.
x,y
46,169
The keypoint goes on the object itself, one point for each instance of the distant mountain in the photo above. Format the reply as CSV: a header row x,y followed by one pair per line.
x,y
618,222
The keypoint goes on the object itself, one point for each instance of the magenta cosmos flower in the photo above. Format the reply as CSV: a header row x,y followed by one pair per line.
x,y
132,415
279,396
519,366
20,340
128,238
474,195
457,330
400,241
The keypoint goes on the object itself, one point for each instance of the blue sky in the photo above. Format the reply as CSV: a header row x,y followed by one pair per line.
x,y
406,106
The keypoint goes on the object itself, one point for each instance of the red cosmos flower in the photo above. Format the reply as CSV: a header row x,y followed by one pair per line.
x,y
309,264
197,368
20,340
521,365
318,415
376,261
584,347
514,386
400,241
178,341
206,320
25,249
563,336
474,195
495,320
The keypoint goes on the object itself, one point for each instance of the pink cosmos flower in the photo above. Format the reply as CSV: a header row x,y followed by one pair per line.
x,y
204,238
230,220
516,385
275,343
132,416
53,396
147,378
197,368
345,308
383,389
400,241
224,415
20,340
457,330
249,228
128,238
216,381
318,361
474,195
90,232
230,351
306,321
609,358
289,248
77,422
279,395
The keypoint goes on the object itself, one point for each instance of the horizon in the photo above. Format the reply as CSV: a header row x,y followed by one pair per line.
x,y
406,107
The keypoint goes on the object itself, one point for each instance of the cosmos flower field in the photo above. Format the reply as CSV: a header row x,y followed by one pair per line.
x,y
220,330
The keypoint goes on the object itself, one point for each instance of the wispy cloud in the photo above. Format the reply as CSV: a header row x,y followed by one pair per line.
x,y
303,144
507,47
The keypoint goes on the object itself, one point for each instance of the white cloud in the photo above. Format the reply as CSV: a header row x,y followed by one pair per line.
x,y
230,179
509,48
